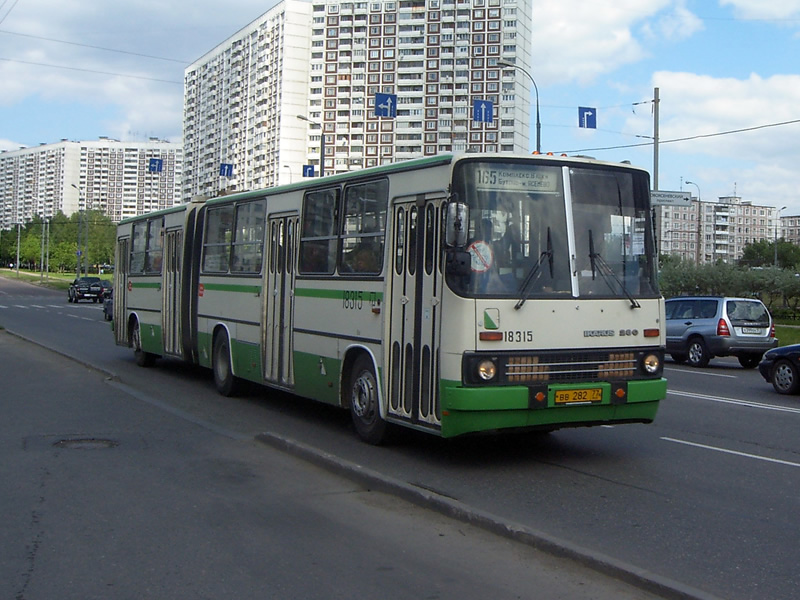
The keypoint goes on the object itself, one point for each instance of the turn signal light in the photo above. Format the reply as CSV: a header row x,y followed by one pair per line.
x,y
490,336
651,332
722,328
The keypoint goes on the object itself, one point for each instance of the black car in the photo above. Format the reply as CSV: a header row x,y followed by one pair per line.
x,y
781,367
85,288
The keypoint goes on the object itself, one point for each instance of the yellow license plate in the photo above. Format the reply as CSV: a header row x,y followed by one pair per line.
x,y
582,395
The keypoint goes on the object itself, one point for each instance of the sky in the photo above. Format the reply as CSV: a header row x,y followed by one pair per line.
x,y
727,71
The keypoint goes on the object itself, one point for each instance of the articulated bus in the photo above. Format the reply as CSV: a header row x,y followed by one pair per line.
x,y
454,294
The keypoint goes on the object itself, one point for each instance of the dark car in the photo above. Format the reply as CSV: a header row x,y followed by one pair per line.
x,y
702,327
85,288
107,285
781,367
108,305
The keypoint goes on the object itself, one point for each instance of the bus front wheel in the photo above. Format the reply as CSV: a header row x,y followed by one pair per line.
x,y
364,402
224,380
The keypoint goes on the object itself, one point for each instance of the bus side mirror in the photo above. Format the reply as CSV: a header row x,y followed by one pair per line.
x,y
456,225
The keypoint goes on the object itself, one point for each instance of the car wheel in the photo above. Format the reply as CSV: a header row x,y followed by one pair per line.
x,y
749,361
698,353
143,359
679,358
364,402
224,379
785,378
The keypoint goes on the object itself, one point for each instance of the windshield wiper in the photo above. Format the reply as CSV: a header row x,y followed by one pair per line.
x,y
599,264
534,273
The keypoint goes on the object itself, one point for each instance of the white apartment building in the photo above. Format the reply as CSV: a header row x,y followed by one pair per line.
x,y
705,232
326,60
108,175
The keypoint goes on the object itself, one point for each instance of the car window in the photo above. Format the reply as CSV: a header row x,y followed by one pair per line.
x,y
747,310
706,309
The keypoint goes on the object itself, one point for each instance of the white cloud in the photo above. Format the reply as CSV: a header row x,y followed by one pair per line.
x,y
579,40
763,9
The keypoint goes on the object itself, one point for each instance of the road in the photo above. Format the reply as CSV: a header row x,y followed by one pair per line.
x,y
706,496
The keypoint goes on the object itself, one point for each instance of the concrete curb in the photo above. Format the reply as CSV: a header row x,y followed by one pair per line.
x,y
602,563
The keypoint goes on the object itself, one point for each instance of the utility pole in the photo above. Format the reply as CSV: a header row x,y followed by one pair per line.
x,y
655,138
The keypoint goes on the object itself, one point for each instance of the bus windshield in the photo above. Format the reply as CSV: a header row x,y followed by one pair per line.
x,y
521,217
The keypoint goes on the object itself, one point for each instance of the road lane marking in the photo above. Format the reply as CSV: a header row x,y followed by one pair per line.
x,y
699,372
735,452
724,400
37,306
25,306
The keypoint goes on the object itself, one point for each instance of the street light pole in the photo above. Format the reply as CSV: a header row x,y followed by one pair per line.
x,y
699,221
777,220
321,144
510,65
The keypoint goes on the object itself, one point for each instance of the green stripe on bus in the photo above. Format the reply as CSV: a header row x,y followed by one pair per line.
x,y
231,287
154,285
336,294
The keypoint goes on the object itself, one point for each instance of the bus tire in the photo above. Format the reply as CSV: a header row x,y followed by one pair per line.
x,y
364,402
143,359
224,379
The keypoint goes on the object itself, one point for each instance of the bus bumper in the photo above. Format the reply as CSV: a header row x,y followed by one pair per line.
x,y
475,409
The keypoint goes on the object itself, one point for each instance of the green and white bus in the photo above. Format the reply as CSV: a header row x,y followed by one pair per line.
x,y
453,294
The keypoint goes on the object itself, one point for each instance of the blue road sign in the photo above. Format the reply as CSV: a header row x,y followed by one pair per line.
x,y
385,105
482,111
225,170
156,165
587,117
308,170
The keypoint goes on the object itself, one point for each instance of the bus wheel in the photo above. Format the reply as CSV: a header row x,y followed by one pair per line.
x,y
364,408
224,379
143,359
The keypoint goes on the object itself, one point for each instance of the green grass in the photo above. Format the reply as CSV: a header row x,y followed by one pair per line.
x,y
56,281
787,335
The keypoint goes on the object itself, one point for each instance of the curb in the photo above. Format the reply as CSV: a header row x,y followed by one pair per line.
x,y
602,563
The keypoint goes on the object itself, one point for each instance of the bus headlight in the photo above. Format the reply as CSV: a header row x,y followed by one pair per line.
x,y
651,364
486,370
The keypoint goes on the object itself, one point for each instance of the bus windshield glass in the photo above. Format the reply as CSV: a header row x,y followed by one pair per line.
x,y
518,231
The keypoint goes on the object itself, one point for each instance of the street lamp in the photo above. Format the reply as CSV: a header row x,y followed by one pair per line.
x,y
510,65
322,143
777,220
290,172
699,221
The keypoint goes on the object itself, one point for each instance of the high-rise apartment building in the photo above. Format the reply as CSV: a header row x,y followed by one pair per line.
x,y
704,232
325,60
122,179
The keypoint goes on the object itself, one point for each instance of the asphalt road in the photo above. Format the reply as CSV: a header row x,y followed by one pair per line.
x,y
705,497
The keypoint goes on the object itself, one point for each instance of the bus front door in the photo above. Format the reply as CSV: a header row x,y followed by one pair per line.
x,y
415,297
279,300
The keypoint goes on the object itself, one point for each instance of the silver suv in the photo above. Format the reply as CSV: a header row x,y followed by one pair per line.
x,y
701,327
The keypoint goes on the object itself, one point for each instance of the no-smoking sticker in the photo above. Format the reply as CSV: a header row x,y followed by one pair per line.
x,y
482,256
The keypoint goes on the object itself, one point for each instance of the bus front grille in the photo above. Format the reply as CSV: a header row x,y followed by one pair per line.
x,y
569,367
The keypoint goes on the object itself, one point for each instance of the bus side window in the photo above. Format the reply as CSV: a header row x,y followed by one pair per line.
x,y
364,227
318,239
217,242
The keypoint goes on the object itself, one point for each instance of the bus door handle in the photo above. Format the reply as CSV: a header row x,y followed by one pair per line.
x,y
404,300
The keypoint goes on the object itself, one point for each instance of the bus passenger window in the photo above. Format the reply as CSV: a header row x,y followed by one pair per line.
x,y
363,228
217,242
318,239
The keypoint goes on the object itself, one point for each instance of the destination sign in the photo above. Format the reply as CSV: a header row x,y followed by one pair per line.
x,y
517,180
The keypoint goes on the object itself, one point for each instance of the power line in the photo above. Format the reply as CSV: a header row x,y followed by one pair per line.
x,y
685,139
47,39
25,62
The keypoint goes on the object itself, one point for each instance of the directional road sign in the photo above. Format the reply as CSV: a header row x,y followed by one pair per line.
x,y
225,170
385,105
156,165
659,198
308,170
482,111
587,117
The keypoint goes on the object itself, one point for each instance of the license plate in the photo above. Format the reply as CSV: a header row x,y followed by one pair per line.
x,y
582,395
753,330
